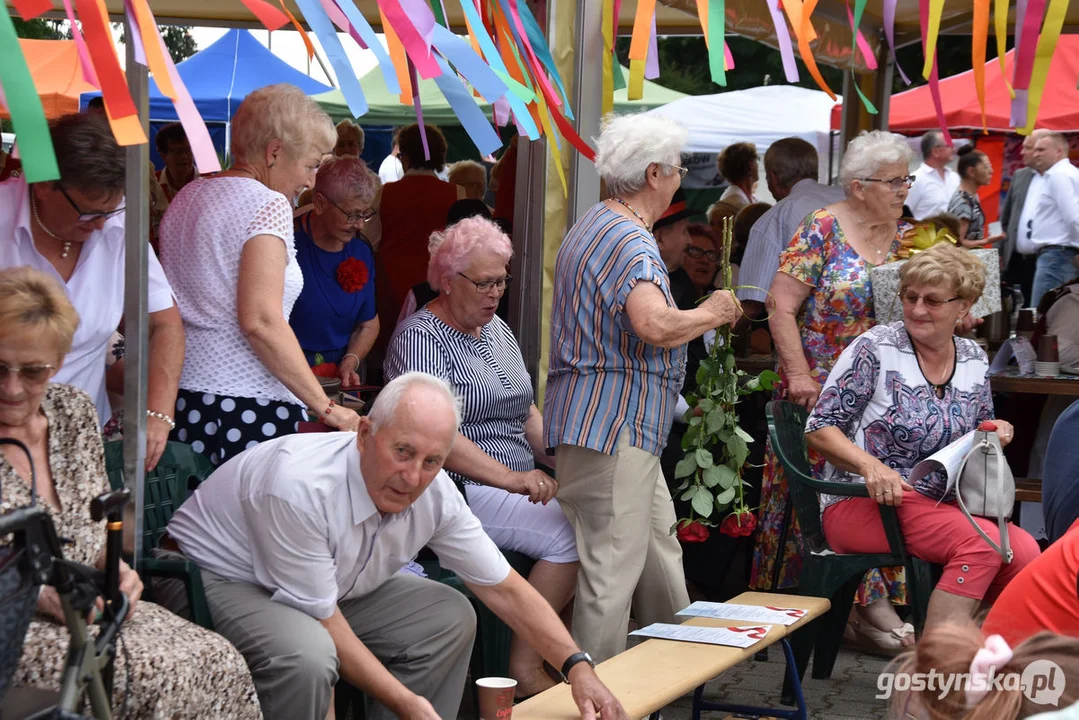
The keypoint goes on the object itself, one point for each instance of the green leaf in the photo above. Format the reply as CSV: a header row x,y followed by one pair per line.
x,y
686,466
768,379
683,486
716,420
702,503
702,376
727,476
691,492
711,476
738,450
728,362
753,385
704,459
690,438
695,420
706,405
743,434
724,499
691,399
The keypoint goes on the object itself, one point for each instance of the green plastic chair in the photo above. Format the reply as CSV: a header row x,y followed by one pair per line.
x,y
824,572
167,486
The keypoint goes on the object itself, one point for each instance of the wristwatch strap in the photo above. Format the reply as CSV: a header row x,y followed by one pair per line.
x,y
572,660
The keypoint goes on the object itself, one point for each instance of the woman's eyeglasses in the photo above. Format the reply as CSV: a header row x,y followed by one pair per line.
x,y
85,216
353,218
911,299
896,183
682,172
34,374
486,285
697,253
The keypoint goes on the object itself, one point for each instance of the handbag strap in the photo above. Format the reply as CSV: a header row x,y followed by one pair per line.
x,y
1004,548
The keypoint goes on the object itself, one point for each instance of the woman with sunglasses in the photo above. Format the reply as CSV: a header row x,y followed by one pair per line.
x,y
334,317
898,394
821,299
73,230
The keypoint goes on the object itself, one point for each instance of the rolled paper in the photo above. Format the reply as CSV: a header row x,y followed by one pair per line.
x,y
300,29
318,21
472,118
638,46
270,17
1047,45
27,114
30,9
119,107
783,39
979,38
80,46
889,33
154,55
930,34
367,34
468,63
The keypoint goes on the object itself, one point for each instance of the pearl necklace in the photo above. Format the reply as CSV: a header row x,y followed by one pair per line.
x,y
65,250
636,214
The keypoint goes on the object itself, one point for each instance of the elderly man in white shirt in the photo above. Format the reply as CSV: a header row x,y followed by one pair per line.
x,y
934,181
73,230
790,167
300,541
1052,223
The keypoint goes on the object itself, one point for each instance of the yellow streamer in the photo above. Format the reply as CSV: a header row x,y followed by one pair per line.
x,y
702,15
936,8
608,56
635,89
1043,56
979,36
545,120
1000,18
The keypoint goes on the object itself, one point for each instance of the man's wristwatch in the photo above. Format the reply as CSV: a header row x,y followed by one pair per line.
x,y
573,660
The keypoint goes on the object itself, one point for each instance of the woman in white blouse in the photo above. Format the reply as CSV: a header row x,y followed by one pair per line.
x,y
227,248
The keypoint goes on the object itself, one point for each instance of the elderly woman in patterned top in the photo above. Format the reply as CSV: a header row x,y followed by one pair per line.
x,y
458,337
176,669
898,394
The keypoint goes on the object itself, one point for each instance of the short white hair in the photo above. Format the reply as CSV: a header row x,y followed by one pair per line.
x,y
340,178
869,152
385,405
630,143
284,113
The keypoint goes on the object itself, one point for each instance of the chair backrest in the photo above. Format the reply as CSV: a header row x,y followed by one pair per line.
x,y
168,485
786,427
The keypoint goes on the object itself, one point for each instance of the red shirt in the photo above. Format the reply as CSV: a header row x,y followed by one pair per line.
x,y
1043,596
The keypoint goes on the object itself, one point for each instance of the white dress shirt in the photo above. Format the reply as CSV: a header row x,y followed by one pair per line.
x,y
390,170
96,288
736,196
1056,214
293,515
931,193
1024,244
773,232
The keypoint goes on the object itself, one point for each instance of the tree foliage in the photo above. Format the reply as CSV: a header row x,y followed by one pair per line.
x,y
38,29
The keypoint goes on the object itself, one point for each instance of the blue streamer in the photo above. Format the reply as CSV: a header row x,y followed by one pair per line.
x,y
468,112
327,35
370,39
468,63
543,53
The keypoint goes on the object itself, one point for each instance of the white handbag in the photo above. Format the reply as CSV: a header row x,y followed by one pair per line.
x,y
986,487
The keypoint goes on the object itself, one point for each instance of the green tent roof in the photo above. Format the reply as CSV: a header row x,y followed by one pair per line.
x,y
386,108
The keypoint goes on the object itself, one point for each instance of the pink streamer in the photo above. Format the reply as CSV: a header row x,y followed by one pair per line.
x,y
412,20
88,73
336,16
136,35
728,57
863,44
617,11
1024,53
783,39
202,147
419,109
538,70
651,63
934,75
889,33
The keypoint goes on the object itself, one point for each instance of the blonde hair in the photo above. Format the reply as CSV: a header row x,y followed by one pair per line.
x,y
348,127
462,170
942,265
33,303
284,113
719,210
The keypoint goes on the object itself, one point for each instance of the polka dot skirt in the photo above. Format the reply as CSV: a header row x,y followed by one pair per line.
x,y
219,426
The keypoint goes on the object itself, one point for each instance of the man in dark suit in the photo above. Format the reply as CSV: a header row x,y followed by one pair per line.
x,y
1019,269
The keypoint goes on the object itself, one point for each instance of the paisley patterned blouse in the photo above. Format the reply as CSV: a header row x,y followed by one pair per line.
x,y
177,669
877,395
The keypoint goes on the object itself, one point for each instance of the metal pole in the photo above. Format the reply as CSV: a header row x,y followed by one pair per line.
x,y
587,99
136,323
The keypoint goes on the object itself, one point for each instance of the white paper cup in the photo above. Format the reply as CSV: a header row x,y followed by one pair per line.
x,y
496,697
1046,369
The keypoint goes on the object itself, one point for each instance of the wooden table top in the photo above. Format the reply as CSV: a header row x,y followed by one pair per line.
x,y
656,672
1012,381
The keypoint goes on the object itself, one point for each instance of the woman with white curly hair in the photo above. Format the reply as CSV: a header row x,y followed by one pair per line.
x,y
618,353
820,301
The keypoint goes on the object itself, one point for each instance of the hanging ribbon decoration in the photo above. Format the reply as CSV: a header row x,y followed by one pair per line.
x,y
725,58
80,47
1000,28
930,32
30,9
119,107
1026,47
638,47
934,77
979,38
607,23
24,104
1047,45
858,42
799,15
270,17
889,34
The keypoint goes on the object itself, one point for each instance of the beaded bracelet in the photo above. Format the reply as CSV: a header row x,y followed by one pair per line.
x,y
162,417
329,409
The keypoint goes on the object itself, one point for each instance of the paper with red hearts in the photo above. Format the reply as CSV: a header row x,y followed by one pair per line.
x,y
751,613
740,637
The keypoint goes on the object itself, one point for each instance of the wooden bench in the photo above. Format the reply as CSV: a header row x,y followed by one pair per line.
x,y
656,672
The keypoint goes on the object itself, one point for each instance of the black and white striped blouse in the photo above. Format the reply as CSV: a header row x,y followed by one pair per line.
x,y
487,372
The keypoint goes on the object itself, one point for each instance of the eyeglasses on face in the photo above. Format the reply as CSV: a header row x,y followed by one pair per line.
x,y
485,285
353,218
896,183
34,374
697,253
911,299
682,172
85,216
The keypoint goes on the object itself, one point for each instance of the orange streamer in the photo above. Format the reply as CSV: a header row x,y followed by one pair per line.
x,y
119,107
155,56
805,32
267,14
30,9
303,33
400,59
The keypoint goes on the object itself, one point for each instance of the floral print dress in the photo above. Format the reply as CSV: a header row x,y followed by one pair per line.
x,y
839,309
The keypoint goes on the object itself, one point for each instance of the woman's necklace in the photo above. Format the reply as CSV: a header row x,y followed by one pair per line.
x,y
636,214
65,249
938,388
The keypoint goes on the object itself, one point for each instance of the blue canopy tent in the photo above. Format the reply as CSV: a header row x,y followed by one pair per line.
x,y
219,78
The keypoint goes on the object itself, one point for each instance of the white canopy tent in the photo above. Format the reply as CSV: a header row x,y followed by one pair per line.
x,y
757,115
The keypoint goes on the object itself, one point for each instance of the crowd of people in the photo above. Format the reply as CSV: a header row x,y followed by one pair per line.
x,y
300,261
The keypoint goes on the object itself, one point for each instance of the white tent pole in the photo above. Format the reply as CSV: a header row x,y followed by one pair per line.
x,y
136,325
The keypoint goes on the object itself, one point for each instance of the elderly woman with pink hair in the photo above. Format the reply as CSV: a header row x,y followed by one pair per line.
x,y
334,317
458,337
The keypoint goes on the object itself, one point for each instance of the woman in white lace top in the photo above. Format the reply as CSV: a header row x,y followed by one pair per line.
x,y
227,248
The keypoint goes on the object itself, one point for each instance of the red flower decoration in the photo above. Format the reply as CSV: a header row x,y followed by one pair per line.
x,y
694,532
739,525
352,275
326,370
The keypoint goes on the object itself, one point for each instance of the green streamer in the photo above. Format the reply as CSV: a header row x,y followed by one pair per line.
x,y
24,104
717,30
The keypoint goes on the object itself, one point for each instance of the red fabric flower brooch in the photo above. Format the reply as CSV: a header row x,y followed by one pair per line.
x,y
352,275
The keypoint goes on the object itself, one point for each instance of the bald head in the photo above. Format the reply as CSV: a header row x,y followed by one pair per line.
x,y
1028,145
1049,149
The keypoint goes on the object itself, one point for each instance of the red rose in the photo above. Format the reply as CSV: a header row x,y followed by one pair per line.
x,y
326,370
739,524
693,532
352,275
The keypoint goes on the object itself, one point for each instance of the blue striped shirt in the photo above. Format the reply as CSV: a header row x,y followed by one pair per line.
x,y
487,373
602,378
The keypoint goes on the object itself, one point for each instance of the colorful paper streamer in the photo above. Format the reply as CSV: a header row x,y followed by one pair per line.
x,y
370,39
267,14
783,39
119,107
472,118
318,21
889,34
979,39
934,76
1047,45
27,114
